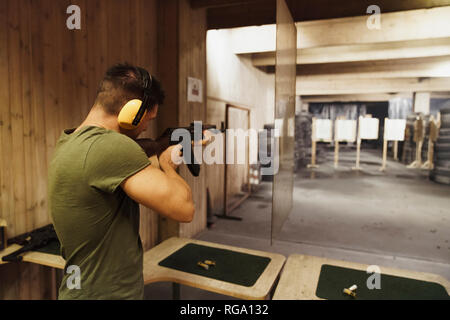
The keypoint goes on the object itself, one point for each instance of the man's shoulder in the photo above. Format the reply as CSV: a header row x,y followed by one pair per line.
x,y
113,146
115,141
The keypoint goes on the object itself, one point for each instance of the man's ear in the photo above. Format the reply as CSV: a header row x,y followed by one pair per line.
x,y
153,112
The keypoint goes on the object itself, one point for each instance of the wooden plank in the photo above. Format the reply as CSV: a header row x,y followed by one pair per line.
x,y
146,56
340,33
70,117
366,86
398,68
37,115
97,37
354,97
6,187
196,4
260,290
15,89
26,285
50,90
192,63
358,52
30,173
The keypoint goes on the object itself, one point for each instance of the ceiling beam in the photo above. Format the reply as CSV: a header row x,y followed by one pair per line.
x,y
366,86
395,27
375,97
431,67
197,4
263,12
363,52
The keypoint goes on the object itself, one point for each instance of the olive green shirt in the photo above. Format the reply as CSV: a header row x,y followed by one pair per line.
x,y
96,222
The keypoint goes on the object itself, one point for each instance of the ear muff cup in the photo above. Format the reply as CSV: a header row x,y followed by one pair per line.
x,y
128,114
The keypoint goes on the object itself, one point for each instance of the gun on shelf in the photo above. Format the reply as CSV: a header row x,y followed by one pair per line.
x,y
30,241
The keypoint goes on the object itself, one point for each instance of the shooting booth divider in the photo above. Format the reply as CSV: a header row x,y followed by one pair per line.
x,y
285,96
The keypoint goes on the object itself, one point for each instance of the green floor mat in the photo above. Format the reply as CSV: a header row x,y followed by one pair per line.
x,y
333,280
231,266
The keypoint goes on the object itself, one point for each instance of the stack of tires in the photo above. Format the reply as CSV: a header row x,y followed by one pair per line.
x,y
409,146
441,171
302,151
426,137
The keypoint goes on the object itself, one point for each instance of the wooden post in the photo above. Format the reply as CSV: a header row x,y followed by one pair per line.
x,y
396,150
336,153
358,146
313,145
385,147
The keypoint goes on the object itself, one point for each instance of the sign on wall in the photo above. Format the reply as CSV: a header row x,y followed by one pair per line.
x,y
195,90
345,130
368,128
394,129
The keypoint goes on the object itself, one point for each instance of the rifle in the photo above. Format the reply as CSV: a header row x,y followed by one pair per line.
x,y
156,147
33,240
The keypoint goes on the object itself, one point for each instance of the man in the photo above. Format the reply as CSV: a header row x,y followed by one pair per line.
x,y
97,177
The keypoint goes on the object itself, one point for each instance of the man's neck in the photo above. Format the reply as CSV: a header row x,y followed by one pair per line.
x,y
98,118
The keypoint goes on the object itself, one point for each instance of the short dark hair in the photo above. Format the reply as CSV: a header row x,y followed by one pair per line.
x,y
122,83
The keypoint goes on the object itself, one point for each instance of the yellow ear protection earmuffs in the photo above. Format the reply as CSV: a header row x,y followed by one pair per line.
x,y
134,110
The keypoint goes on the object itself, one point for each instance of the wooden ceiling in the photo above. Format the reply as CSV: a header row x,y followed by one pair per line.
x,y
240,13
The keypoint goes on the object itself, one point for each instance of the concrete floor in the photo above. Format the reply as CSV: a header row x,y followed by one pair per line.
x,y
396,219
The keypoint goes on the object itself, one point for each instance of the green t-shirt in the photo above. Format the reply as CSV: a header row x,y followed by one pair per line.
x,y
96,222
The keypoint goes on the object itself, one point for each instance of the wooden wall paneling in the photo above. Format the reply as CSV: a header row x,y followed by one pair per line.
x,y
28,133
81,66
192,63
50,71
97,45
168,70
28,152
6,180
8,274
37,115
74,66
119,33
69,114
49,79
17,156
138,43
144,40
